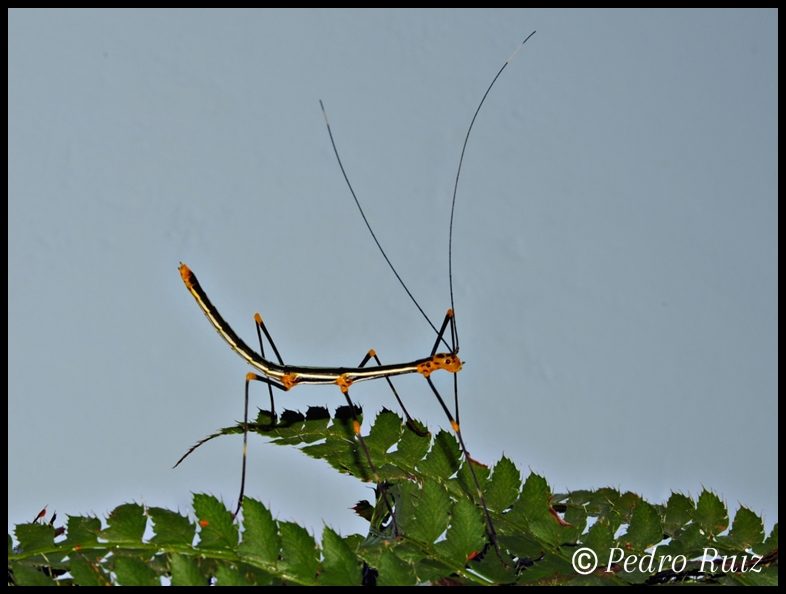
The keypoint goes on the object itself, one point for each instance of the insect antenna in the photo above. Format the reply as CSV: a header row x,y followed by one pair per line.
x,y
368,226
450,318
455,186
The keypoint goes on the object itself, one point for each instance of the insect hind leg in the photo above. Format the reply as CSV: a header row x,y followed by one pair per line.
x,y
253,377
261,328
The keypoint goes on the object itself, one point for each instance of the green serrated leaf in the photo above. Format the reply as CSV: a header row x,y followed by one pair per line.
x,y
644,530
533,510
679,511
770,543
431,513
466,536
626,504
394,571
444,458
127,523
689,543
34,537
603,502
217,526
231,575
345,456
81,531
299,554
171,528
133,571
746,530
504,487
465,482
185,571
340,567
600,538
711,513
384,434
88,573
260,535
411,449
27,575
577,517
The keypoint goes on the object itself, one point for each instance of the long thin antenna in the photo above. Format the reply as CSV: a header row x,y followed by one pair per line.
x,y
458,174
368,225
455,346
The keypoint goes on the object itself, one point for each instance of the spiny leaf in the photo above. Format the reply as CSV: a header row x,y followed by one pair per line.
x,y
299,553
341,567
711,514
679,511
645,528
504,486
131,570
746,530
217,527
126,523
260,535
439,537
35,537
466,536
170,527
185,571
444,457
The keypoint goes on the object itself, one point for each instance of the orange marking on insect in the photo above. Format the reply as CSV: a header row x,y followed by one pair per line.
x,y
372,353
344,382
444,361
455,426
289,380
185,274
258,318
356,427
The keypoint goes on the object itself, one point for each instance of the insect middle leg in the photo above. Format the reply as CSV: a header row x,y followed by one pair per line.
x,y
410,421
362,442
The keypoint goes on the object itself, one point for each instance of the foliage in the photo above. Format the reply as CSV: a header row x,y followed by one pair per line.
x,y
439,535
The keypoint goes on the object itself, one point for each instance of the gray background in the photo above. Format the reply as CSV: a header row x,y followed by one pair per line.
x,y
615,244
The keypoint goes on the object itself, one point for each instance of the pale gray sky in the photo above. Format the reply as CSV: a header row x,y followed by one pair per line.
x,y
616,243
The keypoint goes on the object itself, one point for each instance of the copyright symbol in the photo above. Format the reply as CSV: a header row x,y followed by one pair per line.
x,y
584,561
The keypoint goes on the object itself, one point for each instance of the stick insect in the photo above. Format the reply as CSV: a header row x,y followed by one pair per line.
x,y
285,377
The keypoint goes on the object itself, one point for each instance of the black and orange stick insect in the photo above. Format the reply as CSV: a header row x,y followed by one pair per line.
x,y
284,377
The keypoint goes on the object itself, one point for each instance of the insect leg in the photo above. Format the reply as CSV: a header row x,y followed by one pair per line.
x,y
271,384
454,423
361,441
470,462
410,421
260,325
449,319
